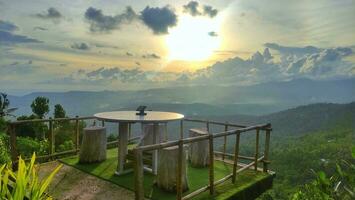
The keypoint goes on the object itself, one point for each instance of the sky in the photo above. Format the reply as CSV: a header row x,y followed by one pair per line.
x,y
62,45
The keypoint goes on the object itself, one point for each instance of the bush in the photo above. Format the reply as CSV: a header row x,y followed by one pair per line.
x,y
4,149
25,182
66,146
26,146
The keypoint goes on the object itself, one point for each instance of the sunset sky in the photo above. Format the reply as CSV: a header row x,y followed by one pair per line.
x,y
48,45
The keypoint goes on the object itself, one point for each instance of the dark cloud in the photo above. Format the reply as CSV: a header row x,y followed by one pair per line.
x,y
30,62
51,13
151,56
105,23
80,46
209,11
129,54
7,26
159,20
11,38
138,63
39,28
192,8
212,34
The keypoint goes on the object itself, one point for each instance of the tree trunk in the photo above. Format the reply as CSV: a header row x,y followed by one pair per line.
x,y
198,151
93,146
167,169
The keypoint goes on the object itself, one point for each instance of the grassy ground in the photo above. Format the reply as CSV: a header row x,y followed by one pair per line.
x,y
197,177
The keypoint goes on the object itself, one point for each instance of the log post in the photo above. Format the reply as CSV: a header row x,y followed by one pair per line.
x,y
179,171
171,174
14,154
181,129
129,131
266,150
256,150
103,123
138,174
236,154
51,137
198,151
225,141
93,148
211,165
77,142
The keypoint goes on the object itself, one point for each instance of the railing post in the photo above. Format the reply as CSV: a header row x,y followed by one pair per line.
x,y
236,154
179,171
211,165
181,129
13,149
77,133
51,137
129,131
266,150
225,141
138,174
208,126
256,150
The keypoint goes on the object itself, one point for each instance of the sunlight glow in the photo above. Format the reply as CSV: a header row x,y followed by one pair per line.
x,y
190,40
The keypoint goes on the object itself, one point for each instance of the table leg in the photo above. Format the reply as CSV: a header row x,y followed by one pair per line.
x,y
156,138
122,146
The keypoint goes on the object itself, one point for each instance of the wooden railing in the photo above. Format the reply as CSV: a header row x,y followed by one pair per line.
x,y
138,154
236,130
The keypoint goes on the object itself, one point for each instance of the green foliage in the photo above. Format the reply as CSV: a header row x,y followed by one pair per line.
x,y
59,111
40,106
67,145
4,149
3,125
25,182
4,104
26,146
111,138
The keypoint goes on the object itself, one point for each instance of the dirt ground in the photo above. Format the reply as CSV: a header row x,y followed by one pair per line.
x,y
73,184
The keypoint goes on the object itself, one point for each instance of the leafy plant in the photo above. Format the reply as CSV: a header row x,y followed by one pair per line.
x,y
25,182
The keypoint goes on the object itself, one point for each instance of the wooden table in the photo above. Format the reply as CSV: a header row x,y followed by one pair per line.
x,y
124,118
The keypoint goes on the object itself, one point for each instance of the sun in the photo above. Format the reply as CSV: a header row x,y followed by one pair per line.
x,y
190,39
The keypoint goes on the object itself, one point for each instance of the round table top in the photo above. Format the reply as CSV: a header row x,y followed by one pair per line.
x,y
130,116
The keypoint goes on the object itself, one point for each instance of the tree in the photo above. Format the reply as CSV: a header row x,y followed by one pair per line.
x,y
59,111
4,104
40,106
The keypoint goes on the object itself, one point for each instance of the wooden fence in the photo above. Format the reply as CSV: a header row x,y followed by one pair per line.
x,y
236,130
239,129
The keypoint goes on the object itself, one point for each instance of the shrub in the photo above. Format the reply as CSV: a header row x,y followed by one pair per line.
x,y
67,145
26,146
24,182
4,149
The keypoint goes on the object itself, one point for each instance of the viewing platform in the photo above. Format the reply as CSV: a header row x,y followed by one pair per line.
x,y
227,175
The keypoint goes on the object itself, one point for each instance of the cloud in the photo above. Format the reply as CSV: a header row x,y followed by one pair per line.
x,y
210,11
11,38
212,34
193,8
159,20
80,46
51,14
293,50
38,28
105,23
151,56
7,26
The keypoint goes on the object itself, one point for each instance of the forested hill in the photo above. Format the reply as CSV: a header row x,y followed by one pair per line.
x,y
303,119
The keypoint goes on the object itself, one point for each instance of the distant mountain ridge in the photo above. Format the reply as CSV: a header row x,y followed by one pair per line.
x,y
199,100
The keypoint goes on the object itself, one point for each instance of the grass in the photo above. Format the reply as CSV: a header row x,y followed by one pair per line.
x,y
197,177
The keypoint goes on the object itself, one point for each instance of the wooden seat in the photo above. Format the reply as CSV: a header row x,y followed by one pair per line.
x,y
198,151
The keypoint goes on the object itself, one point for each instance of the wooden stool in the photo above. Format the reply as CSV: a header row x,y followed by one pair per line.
x,y
93,145
199,151
167,169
